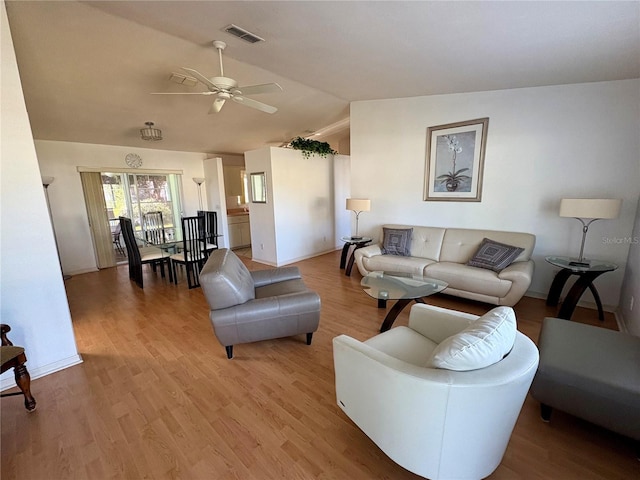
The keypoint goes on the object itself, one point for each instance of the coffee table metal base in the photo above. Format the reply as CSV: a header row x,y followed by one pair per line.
x,y
395,311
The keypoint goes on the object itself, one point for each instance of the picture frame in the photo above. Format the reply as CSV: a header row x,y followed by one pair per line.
x,y
258,183
454,163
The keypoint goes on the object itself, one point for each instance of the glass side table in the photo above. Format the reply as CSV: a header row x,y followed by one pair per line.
x,y
357,242
587,272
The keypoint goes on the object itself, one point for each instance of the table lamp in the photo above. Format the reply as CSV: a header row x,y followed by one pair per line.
x,y
358,205
591,209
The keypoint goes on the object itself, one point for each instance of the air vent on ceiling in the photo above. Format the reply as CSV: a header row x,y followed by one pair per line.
x,y
243,34
183,79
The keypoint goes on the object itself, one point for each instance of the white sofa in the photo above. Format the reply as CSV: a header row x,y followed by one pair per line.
x,y
442,253
439,397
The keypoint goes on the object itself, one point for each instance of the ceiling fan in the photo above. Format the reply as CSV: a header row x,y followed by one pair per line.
x,y
225,88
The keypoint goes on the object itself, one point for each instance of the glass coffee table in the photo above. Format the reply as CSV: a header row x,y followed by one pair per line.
x,y
403,287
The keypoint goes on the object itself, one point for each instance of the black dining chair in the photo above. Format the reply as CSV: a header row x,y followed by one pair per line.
x,y
150,255
210,229
194,251
153,227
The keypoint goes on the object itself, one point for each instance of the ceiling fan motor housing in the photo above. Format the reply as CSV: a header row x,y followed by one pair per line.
x,y
224,83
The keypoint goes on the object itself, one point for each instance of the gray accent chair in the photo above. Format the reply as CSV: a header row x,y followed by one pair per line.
x,y
592,373
260,305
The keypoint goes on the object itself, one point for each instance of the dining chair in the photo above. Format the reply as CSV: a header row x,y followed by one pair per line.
x,y
194,251
210,229
14,357
149,255
153,227
116,233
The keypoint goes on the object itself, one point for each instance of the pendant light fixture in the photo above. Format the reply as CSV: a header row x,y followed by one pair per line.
x,y
150,133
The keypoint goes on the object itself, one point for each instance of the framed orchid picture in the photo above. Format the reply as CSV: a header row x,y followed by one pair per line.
x,y
455,161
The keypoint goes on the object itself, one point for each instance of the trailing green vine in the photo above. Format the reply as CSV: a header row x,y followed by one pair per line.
x,y
311,147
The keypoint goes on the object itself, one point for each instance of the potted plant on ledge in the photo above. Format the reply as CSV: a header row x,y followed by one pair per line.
x,y
311,147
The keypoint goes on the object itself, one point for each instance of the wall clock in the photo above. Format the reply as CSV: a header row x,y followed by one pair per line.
x,y
133,160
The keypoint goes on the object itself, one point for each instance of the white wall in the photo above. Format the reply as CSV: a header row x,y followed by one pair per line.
x,y
630,316
62,159
214,185
300,204
262,215
32,295
543,144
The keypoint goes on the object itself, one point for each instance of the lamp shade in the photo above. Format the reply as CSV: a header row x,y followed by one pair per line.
x,y
590,207
46,181
198,180
359,204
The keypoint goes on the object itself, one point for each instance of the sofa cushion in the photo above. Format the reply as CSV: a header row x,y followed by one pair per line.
x,y
494,255
477,280
404,344
485,342
397,241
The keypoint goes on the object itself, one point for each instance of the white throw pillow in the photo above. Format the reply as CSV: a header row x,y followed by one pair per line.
x,y
485,342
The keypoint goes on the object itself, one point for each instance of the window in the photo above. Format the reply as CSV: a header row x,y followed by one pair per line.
x,y
132,195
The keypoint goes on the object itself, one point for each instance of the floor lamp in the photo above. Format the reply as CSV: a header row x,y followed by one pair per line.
x,y
199,181
46,181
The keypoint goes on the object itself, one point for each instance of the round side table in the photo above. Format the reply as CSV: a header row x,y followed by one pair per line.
x,y
357,243
587,272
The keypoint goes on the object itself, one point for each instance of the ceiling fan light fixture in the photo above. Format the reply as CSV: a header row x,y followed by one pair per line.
x,y
149,133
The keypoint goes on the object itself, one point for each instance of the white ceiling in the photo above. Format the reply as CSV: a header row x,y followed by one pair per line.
x,y
87,67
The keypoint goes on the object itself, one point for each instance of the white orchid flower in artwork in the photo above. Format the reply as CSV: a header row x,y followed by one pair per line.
x,y
453,143
453,178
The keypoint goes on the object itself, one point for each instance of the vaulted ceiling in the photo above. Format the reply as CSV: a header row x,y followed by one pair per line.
x,y
87,68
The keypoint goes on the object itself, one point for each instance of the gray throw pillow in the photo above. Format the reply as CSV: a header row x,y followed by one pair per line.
x,y
494,256
397,241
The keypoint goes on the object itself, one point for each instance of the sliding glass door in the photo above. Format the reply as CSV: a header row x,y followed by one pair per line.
x,y
132,195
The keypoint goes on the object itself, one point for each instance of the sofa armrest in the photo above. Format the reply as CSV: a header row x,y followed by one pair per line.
x,y
366,252
274,275
438,323
520,275
518,272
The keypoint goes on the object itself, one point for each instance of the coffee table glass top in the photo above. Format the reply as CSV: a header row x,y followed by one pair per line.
x,y
576,266
398,285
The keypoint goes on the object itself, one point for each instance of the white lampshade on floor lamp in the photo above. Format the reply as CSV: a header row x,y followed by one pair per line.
x,y
46,181
358,205
591,209
199,181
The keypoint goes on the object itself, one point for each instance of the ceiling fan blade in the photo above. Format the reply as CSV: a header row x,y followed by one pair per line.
x,y
216,106
263,107
263,88
182,93
201,78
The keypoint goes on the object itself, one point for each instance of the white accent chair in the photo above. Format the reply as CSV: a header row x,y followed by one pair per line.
x,y
449,422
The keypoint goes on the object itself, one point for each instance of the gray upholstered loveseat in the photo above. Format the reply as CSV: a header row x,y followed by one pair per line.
x,y
443,253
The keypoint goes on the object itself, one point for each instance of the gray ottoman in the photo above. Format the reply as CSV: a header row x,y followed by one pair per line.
x,y
590,372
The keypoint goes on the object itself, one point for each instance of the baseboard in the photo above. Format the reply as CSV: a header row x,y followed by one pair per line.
x,y
9,382
294,260
84,270
581,303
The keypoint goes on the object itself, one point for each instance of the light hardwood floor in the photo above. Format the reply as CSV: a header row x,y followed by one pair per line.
x,y
156,396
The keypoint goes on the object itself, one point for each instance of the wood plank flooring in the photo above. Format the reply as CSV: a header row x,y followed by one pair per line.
x,y
156,396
